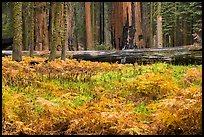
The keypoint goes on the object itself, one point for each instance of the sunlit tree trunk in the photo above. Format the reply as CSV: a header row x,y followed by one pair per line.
x,y
159,26
17,37
88,26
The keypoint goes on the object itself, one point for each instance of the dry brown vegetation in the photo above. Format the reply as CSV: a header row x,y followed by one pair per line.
x,y
71,97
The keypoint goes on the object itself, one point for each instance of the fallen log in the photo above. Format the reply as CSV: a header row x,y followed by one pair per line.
x,y
184,55
177,55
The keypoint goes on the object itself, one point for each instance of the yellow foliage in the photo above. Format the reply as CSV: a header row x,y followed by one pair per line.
x,y
69,97
154,86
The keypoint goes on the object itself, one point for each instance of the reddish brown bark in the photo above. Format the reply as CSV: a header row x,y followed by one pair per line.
x,y
139,41
88,26
39,16
124,27
45,31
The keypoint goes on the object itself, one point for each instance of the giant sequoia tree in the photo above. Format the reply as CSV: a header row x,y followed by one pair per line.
x,y
17,36
126,23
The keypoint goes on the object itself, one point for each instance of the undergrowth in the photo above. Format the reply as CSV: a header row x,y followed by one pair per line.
x,y
71,97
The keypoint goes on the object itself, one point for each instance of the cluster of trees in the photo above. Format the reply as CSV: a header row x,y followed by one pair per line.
x,y
99,25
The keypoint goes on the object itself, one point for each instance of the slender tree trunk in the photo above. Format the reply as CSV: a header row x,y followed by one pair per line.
x,y
88,26
39,25
145,24
116,26
25,26
93,24
185,32
76,32
45,31
159,27
32,29
55,32
97,23
17,25
100,24
175,25
51,22
103,26
65,34
69,33
151,25
107,24
101,33
61,30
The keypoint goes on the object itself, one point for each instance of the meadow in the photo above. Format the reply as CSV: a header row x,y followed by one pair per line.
x,y
90,98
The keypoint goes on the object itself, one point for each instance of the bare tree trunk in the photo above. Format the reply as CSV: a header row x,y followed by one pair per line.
x,y
51,22
45,31
175,25
65,34
25,26
55,32
145,24
139,40
93,23
185,32
116,21
69,33
159,27
107,34
151,26
88,26
39,25
17,25
76,32
32,29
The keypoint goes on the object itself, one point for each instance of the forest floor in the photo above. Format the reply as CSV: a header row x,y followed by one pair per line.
x,y
91,98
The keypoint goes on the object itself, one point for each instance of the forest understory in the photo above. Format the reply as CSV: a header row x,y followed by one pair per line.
x,y
82,97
